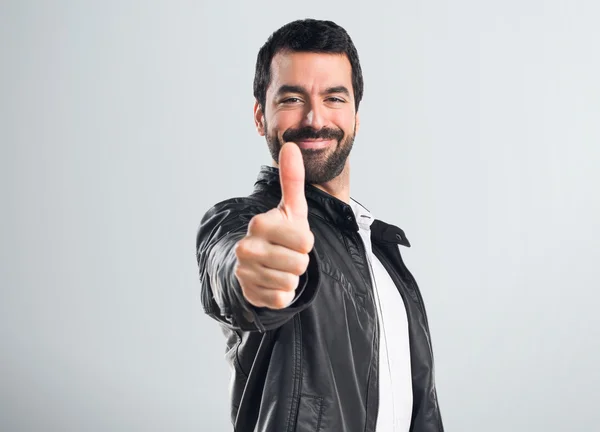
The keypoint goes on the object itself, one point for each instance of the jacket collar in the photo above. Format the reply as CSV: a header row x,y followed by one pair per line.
x,y
330,208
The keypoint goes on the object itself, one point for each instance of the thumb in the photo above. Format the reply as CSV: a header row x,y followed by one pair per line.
x,y
291,177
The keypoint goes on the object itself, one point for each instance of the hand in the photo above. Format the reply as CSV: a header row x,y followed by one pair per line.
x,y
274,252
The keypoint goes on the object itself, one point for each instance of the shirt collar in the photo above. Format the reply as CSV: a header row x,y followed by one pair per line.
x,y
332,209
364,218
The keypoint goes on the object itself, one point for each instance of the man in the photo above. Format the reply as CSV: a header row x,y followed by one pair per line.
x,y
326,328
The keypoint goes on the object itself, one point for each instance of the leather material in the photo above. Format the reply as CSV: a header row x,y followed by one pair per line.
x,y
314,365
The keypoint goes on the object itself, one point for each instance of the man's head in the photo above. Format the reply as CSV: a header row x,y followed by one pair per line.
x,y
308,86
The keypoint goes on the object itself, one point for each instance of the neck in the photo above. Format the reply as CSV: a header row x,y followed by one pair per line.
x,y
338,187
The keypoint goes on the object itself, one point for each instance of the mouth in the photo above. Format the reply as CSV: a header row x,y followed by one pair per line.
x,y
314,144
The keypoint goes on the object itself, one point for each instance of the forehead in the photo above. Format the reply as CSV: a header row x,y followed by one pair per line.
x,y
311,70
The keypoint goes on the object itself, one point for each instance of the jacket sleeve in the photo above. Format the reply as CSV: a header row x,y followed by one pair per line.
x,y
220,229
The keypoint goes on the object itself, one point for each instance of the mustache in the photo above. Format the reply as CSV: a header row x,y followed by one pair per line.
x,y
310,133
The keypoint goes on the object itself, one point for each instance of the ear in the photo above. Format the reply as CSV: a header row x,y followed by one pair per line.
x,y
357,121
259,119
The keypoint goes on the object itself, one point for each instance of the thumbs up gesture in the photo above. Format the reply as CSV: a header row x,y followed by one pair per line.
x,y
274,252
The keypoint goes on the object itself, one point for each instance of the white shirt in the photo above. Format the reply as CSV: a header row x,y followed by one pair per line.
x,y
395,377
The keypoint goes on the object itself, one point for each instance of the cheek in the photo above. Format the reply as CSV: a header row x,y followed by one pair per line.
x,y
284,120
345,121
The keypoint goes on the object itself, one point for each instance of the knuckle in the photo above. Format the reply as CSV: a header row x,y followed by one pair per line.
x,y
240,273
280,300
297,267
248,249
302,264
242,249
250,295
291,282
307,241
257,223
245,291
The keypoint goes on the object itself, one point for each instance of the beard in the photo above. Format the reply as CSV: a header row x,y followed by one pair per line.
x,y
320,165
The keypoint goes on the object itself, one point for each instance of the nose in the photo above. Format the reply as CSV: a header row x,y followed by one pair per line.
x,y
314,116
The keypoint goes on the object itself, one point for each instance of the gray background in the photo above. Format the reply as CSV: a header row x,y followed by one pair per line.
x,y
122,122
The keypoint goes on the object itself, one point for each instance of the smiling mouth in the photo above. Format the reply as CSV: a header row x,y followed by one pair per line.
x,y
314,143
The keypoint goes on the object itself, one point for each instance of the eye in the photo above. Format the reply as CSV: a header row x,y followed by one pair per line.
x,y
291,100
336,99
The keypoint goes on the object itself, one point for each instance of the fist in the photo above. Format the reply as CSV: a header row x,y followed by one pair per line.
x,y
274,252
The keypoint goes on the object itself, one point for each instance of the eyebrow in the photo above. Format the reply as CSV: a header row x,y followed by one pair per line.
x,y
338,89
299,89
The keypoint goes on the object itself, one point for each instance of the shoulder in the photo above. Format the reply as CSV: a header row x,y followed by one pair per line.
x,y
239,206
244,204
230,215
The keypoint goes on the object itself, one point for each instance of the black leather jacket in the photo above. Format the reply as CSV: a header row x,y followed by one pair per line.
x,y
314,365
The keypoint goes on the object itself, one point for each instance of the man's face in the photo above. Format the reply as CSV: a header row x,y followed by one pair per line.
x,y
310,102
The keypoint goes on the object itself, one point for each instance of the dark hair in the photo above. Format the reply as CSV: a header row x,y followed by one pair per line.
x,y
308,35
